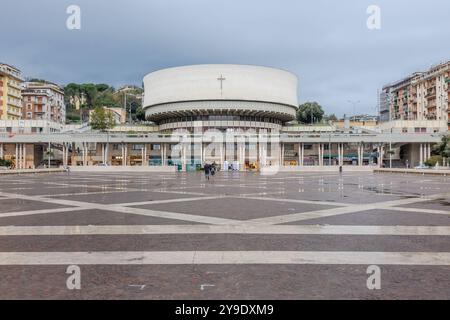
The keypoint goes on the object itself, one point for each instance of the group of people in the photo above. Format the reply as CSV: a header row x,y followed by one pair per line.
x,y
210,170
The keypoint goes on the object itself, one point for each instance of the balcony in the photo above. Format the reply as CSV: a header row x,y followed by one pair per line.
x,y
14,104
10,72
15,86
14,94
430,94
14,112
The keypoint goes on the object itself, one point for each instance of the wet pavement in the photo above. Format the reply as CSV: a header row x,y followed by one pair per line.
x,y
249,236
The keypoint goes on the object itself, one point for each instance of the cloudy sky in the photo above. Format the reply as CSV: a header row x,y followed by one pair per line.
x,y
325,42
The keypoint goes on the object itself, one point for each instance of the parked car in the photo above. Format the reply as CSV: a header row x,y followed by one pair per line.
x,y
422,166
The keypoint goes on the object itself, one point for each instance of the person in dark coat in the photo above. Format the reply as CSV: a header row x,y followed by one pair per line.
x,y
213,168
207,168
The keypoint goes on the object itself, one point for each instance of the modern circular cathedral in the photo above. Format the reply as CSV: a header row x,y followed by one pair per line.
x,y
220,96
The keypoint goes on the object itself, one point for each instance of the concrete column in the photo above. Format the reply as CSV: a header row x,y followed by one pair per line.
x,y
126,154
25,156
421,154
84,154
259,157
323,153
318,153
122,150
183,157
64,154
163,154
429,152
17,157
144,154
103,152
21,156
360,155
263,156
221,154
242,159
1,151
105,147
203,155
106,153
83,151
87,154
339,154
380,156
302,154
281,146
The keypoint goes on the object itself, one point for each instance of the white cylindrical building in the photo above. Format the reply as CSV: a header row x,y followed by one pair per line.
x,y
220,96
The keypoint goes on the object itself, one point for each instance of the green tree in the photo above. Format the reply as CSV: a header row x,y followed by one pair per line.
x,y
5,163
310,112
331,117
443,149
106,99
72,91
140,114
102,87
433,160
101,120
90,90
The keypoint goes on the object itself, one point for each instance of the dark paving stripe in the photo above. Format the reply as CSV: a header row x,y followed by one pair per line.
x,y
86,217
442,204
55,190
124,197
333,196
227,190
236,208
13,205
229,282
224,242
381,218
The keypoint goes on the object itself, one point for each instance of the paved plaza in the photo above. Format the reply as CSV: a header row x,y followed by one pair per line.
x,y
238,236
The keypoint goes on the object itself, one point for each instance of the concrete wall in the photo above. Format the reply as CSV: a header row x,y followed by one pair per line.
x,y
200,83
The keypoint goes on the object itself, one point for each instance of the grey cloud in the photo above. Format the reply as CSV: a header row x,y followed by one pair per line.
x,y
326,42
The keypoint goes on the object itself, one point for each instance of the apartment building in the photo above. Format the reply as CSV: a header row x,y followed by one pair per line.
x,y
10,92
119,114
420,96
43,101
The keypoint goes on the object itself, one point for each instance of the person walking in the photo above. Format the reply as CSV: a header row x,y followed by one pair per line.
x,y
213,168
207,169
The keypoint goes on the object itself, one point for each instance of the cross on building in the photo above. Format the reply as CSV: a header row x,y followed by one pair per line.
x,y
221,79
